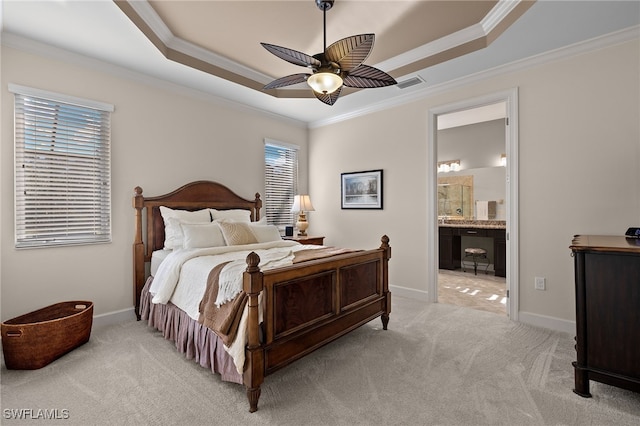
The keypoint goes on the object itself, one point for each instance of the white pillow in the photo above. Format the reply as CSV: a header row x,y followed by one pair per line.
x,y
236,215
265,233
237,233
173,235
197,235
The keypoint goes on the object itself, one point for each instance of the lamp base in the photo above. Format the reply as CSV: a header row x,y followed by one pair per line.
x,y
302,225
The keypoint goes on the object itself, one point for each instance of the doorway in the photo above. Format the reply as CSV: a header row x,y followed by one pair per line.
x,y
509,101
473,141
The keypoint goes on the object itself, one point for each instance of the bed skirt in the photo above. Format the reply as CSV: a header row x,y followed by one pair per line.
x,y
191,338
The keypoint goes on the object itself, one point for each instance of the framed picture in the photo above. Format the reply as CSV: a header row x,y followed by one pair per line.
x,y
362,190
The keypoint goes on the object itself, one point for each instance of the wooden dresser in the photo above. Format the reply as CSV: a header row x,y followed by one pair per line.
x,y
607,280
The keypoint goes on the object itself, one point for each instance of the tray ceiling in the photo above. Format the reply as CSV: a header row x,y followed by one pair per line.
x,y
223,38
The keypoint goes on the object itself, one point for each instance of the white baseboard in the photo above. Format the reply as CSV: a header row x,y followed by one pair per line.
x,y
537,320
114,317
544,321
409,293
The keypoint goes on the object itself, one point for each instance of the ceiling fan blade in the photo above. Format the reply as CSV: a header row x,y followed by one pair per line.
x,y
330,98
352,51
292,56
366,77
287,81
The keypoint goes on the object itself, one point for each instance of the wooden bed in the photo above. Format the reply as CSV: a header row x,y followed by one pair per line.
x,y
331,296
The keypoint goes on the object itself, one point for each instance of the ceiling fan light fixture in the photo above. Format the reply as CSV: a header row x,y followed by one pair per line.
x,y
339,64
325,82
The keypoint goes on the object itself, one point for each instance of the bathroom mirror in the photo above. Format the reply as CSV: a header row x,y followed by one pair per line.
x,y
455,197
461,190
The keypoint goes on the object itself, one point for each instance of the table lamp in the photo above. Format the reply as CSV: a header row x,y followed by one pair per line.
x,y
301,204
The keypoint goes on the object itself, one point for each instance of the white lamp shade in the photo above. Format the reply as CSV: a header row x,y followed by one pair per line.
x,y
302,203
324,82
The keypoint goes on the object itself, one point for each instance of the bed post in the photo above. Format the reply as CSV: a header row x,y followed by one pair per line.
x,y
257,207
385,280
254,359
138,250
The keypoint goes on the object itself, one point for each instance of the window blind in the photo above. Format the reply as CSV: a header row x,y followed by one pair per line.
x,y
281,182
62,172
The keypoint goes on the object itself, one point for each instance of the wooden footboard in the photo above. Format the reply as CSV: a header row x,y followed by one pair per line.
x,y
309,305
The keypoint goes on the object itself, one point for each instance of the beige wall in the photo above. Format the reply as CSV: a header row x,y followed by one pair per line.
x,y
161,139
579,171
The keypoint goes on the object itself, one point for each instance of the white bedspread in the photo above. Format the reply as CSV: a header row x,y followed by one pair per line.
x,y
169,271
182,279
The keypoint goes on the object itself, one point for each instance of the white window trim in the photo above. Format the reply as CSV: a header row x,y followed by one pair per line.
x,y
274,142
280,144
39,93
43,242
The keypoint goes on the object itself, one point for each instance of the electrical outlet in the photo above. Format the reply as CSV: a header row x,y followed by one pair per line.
x,y
540,283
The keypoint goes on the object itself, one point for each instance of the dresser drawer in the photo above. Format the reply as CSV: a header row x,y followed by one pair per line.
x,y
472,232
498,234
445,230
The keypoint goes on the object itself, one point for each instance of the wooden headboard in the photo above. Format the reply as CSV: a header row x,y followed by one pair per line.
x,y
192,196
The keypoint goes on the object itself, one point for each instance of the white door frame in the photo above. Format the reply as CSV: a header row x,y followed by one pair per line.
x,y
511,136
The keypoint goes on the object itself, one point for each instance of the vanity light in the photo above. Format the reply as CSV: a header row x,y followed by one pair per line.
x,y
503,160
449,166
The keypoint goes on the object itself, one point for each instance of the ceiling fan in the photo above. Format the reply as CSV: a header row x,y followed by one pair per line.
x,y
339,64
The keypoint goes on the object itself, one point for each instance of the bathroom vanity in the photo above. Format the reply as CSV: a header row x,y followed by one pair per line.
x,y
450,242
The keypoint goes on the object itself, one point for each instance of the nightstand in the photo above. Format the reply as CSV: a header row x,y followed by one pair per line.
x,y
318,241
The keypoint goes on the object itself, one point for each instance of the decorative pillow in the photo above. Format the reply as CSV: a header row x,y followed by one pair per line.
x,y
265,233
235,215
237,233
197,235
173,235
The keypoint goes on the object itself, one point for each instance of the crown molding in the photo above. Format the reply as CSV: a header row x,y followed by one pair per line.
x,y
52,52
608,40
499,13
496,15
151,18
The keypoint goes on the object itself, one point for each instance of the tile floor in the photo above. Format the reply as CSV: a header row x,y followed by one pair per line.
x,y
483,291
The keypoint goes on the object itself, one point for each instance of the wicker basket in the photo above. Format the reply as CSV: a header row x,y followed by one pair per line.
x,y
33,340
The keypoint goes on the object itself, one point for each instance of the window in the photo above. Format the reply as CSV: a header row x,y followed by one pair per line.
x,y
281,181
62,169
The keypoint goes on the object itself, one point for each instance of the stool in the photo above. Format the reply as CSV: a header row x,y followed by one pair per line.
x,y
475,255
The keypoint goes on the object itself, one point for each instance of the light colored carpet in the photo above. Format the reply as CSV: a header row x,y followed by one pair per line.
x,y
483,291
437,364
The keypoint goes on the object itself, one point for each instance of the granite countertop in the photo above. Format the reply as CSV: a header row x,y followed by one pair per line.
x,y
469,223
